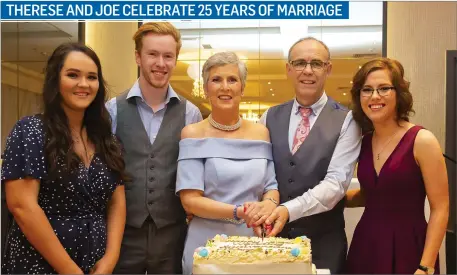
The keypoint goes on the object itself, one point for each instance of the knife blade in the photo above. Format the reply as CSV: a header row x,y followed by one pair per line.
x,y
264,233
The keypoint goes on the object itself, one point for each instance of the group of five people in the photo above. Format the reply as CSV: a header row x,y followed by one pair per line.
x,y
136,184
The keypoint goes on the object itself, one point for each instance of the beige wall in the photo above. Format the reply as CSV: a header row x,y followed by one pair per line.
x,y
112,41
20,96
418,35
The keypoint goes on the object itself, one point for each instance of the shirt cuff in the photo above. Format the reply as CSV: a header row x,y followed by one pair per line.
x,y
294,208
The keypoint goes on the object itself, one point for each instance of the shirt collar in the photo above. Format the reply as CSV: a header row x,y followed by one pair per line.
x,y
316,107
135,91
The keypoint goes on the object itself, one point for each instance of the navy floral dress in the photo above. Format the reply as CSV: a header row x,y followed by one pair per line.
x,y
75,205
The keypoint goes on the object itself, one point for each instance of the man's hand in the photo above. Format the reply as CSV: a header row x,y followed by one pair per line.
x,y
278,219
258,212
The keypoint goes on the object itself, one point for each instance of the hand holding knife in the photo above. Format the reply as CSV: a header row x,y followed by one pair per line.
x,y
265,228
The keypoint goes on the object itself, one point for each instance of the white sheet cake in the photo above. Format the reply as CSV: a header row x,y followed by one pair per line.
x,y
252,255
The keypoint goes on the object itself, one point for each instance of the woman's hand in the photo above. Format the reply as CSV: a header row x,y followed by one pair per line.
x,y
418,271
104,266
258,230
189,217
73,270
258,212
241,210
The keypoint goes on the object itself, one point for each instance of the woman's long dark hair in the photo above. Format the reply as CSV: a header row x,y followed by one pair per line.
x,y
58,142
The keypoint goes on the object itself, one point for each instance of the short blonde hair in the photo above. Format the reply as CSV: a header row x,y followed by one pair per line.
x,y
159,28
222,59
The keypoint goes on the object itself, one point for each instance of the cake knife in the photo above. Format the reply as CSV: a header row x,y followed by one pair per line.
x,y
264,234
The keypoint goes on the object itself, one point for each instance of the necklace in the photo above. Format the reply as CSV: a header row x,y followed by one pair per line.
x,y
223,127
78,139
390,139
75,135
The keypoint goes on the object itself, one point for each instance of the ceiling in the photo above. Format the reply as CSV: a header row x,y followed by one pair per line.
x,y
262,44
29,44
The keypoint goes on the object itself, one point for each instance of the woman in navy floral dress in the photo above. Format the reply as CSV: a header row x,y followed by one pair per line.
x,y
63,173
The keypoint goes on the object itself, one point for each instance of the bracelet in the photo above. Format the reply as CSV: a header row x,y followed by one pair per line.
x,y
232,221
426,269
235,216
273,200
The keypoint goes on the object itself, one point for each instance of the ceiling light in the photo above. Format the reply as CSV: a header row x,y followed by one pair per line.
x,y
269,82
344,93
193,71
271,89
272,94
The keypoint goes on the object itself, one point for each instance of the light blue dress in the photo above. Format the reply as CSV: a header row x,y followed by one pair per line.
x,y
233,171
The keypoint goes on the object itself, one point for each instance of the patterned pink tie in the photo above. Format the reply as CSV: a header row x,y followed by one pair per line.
x,y
302,129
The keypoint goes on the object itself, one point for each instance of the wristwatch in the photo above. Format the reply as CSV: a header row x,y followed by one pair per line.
x,y
426,269
273,200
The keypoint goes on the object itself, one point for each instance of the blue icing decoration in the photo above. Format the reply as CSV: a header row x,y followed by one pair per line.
x,y
223,236
304,237
295,252
203,253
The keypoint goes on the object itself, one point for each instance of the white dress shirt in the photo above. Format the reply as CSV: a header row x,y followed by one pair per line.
x,y
324,196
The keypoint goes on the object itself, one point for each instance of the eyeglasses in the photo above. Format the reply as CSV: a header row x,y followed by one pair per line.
x,y
382,91
301,64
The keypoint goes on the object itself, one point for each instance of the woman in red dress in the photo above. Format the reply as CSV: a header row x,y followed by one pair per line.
x,y
399,165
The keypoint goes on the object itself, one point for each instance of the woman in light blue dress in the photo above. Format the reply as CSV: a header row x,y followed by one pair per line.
x,y
225,163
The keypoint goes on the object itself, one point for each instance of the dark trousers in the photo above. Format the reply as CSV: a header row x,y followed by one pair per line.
x,y
329,249
151,250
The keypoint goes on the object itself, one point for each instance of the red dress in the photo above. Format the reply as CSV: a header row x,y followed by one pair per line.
x,y
390,235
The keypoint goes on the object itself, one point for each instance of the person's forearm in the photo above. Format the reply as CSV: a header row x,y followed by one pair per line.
x,y
323,197
271,194
115,225
208,208
435,233
38,231
355,198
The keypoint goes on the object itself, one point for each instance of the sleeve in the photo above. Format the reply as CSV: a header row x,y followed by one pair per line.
x,y
193,114
263,118
111,106
190,174
23,155
270,178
